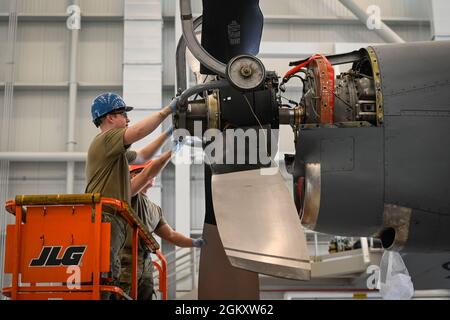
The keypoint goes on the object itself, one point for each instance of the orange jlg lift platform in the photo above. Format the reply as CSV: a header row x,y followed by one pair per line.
x,y
57,235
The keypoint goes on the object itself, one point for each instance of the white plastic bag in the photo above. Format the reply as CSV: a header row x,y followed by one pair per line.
x,y
395,282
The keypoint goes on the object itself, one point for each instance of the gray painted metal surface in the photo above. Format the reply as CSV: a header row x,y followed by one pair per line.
x,y
404,163
351,201
440,25
415,77
428,232
429,271
417,167
416,90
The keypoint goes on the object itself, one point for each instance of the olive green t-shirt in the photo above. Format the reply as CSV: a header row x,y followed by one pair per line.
x,y
107,166
149,212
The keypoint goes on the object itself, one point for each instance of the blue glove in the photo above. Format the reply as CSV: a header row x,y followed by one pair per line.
x,y
176,146
169,131
198,243
173,104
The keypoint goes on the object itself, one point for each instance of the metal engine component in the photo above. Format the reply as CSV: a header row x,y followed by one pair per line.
x,y
384,149
201,113
292,116
246,72
355,98
213,110
228,108
190,112
349,98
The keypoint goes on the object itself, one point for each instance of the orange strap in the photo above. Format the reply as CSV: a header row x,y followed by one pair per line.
x,y
297,68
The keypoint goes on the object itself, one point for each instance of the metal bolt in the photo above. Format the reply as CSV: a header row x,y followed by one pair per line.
x,y
246,71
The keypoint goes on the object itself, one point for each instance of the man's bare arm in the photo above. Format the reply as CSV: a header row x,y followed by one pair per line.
x,y
145,126
167,233
149,172
146,153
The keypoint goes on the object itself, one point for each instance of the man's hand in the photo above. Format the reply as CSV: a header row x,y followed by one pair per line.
x,y
176,146
173,104
169,131
198,243
149,172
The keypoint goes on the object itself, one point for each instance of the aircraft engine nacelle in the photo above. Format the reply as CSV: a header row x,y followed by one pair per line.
x,y
372,150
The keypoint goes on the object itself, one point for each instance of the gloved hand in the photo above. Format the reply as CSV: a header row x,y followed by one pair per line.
x,y
173,104
176,145
169,131
198,243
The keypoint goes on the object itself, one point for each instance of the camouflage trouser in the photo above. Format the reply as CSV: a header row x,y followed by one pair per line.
x,y
144,274
118,237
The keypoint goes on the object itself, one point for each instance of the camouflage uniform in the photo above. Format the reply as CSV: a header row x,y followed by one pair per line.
x,y
151,216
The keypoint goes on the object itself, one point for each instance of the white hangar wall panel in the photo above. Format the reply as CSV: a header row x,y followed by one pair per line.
x,y
41,6
4,7
143,41
30,178
168,51
3,49
414,33
197,196
39,121
297,32
100,52
45,61
168,6
411,8
46,7
36,178
79,183
330,21
102,7
407,8
42,53
142,88
439,16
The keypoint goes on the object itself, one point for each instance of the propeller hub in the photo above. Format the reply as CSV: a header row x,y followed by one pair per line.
x,y
246,72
